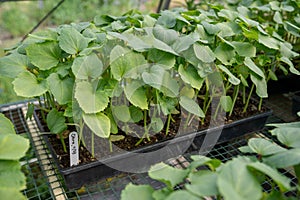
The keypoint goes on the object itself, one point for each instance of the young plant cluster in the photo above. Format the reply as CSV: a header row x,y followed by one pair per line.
x,y
135,68
242,177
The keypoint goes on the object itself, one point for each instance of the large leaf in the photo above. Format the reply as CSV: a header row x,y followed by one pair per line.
x,y
261,86
11,193
204,53
191,106
235,181
180,195
99,123
87,67
253,67
190,76
284,159
288,135
11,176
56,121
161,79
6,126
226,103
244,49
165,59
268,41
71,41
225,53
27,85
123,60
291,65
282,181
12,146
264,147
136,94
167,36
13,64
90,100
137,192
232,79
184,42
203,183
44,55
62,89
121,112
167,174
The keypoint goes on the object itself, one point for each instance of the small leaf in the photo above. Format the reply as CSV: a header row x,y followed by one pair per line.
x,y
167,36
115,138
44,55
191,106
136,114
226,103
90,99
167,174
225,53
56,121
291,65
244,49
190,76
204,53
268,41
27,85
288,135
264,147
62,89
99,123
156,124
232,79
87,67
284,159
137,192
136,94
261,86
6,126
121,112
253,67
184,42
13,64
71,41
160,57
277,18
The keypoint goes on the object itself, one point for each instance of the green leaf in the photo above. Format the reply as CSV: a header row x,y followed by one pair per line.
x,y
161,79
268,41
264,147
167,36
253,67
122,61
190,76
244,49
56,121
187,91
90,100
156,124
232,79
87,67
225,53
44,55
235,182
166,59
136,114
27,85
62,89
261,86
282,181
12,146
292,28
203,183
191,106
204,53
11,193
180,195
11,176
226,103
136,94
13,64
137,192
6,126
167,174
277,18
99,123
284,159
121,112
184,42
71,41
288,135
167,19
291,65
211,29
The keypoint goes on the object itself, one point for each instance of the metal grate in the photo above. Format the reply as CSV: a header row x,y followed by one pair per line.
x,y
44,182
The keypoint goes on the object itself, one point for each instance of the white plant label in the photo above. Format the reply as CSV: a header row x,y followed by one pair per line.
x,y
74,150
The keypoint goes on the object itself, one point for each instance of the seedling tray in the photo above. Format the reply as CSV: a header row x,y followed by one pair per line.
x,y
77,176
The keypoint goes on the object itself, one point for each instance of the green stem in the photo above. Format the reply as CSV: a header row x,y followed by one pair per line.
x,y
62,142
235,94
110,146
93,146
81,132
244,94
217,110
260,104
248,99
42,110
168,124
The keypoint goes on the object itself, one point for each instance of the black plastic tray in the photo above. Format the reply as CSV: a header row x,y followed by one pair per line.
x,y
77,176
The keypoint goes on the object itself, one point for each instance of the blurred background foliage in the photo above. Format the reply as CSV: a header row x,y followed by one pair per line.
x,y
18,18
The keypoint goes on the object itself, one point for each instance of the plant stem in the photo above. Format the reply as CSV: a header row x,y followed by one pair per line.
x,y
217,110
93,146
110,146
62,142
248,99
260,104
168,124
235,94
42,111
244,94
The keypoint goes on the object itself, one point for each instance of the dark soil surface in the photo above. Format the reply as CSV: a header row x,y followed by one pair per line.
x,y
130,140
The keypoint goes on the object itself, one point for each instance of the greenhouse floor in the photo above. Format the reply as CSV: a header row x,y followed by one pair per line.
x,y
44,181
